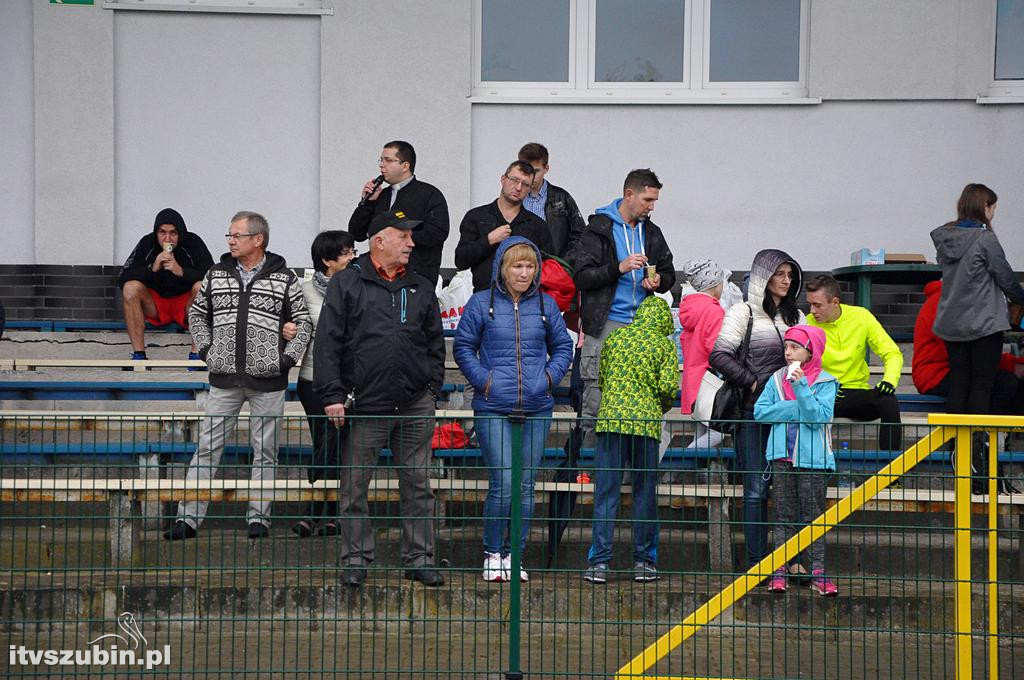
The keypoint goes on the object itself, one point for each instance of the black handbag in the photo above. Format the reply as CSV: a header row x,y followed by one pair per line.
x,y
728,406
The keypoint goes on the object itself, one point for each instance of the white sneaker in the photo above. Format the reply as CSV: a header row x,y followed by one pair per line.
x,y
494,568
506,564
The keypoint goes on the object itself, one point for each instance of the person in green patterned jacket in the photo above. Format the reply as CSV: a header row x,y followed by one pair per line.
x,y
638,378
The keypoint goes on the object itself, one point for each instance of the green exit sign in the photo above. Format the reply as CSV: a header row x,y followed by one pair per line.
x,y
71,2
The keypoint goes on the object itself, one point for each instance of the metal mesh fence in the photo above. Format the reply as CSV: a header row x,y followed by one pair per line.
x,y
86,569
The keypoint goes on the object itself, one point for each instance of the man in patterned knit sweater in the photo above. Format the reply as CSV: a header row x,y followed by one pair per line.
x,y
236,322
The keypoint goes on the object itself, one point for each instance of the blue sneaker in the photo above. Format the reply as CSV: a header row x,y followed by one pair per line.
x,y
194,356
136,356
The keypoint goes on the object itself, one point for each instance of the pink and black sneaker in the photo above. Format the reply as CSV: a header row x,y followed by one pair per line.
x,y
823,585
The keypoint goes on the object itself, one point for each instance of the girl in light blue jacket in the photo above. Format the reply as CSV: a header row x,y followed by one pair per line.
x,y
798,401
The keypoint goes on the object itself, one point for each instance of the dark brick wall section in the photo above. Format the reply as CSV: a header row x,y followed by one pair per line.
x,y
55,291
90,293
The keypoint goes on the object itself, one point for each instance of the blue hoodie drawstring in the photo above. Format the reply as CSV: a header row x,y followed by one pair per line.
x,y
403,305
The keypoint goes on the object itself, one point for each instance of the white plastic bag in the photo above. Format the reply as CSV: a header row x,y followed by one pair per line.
x,y
453,297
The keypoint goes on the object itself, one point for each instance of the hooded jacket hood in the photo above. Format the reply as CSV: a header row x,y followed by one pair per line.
x,y
952,241
171,216
761,270
693,306
653,314
191,254
813,339
933,288
496,277
611,211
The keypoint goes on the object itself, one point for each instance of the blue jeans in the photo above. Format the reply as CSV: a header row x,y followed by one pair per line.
x,y
751,440
613,452
495,434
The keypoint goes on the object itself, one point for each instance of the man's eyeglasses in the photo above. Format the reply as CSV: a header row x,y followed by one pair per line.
x,y
516,182
235,237
349,252
384,161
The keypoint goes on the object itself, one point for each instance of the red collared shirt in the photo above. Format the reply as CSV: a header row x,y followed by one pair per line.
x,y
399,273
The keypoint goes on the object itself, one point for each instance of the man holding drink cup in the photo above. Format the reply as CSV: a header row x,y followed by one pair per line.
x,y
161,277
622,258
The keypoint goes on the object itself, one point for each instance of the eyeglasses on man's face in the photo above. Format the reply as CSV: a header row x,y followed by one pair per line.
x,y
516,182
235,237
386,160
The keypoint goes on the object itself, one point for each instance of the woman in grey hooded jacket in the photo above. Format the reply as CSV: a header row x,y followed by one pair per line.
x,y
972,312
774,285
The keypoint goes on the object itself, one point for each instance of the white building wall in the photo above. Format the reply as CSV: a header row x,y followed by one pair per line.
x,y
816,181
16,121
131,112
73,61
216,114
395,69
901,49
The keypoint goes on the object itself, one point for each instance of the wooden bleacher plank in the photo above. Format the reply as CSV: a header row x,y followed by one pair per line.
x,y
135,365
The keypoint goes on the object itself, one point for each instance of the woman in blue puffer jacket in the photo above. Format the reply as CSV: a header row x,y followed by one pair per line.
x,y
512,346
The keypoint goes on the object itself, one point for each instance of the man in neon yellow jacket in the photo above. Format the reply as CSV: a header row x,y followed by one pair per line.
x,y
850,331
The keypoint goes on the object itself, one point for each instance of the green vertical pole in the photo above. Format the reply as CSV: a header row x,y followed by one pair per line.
x,y
516,420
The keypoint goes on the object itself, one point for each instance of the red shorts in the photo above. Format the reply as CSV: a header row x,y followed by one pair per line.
x,y
169,310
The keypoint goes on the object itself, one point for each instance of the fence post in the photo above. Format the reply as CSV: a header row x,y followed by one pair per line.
x,y
516,419
720,553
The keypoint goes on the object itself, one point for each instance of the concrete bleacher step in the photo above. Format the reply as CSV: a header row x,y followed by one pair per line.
x,y
51,545
169,600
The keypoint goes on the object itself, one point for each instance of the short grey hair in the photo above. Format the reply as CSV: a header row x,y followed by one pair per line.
x,y
255,224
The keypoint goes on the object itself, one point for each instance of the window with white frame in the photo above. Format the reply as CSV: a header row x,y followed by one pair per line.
x,y
1008,72
640,50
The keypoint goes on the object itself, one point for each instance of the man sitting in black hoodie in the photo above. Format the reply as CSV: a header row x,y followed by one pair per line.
x,y
161,277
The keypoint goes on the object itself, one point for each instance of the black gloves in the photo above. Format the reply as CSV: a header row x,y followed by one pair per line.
x,y
885,389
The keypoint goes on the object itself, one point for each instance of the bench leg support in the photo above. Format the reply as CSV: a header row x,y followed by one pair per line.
x,y
125,543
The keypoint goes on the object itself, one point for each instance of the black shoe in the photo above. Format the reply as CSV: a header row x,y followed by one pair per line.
x,y
180,530
353,577
258,530
428,576
304,527
331,528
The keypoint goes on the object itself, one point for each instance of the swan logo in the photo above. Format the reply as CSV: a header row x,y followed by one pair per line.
x,y
128,647
126,622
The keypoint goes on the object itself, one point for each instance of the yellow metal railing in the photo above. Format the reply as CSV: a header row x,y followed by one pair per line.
x,y
947,426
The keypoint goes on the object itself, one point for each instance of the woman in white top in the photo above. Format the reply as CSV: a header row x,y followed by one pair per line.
x,y
331,252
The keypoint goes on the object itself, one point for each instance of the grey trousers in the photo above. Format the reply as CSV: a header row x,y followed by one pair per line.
x,y
409,440
222,407
590,364
799,495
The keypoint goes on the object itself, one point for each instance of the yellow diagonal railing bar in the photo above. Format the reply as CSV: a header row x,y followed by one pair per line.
x,y
746,582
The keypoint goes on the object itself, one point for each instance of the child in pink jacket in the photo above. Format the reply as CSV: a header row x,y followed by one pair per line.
x,y
700,316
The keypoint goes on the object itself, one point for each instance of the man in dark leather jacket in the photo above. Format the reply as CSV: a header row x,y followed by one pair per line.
x,y
552,204
622,257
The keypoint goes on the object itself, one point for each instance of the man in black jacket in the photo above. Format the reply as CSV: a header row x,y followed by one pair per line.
x,y
552,204
161,277
419,200
380,351
484,227
622,258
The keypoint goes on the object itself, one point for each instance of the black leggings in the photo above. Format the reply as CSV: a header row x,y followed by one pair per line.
x,y
972,373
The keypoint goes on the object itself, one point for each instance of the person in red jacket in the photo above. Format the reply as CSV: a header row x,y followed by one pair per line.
x,y
930,365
